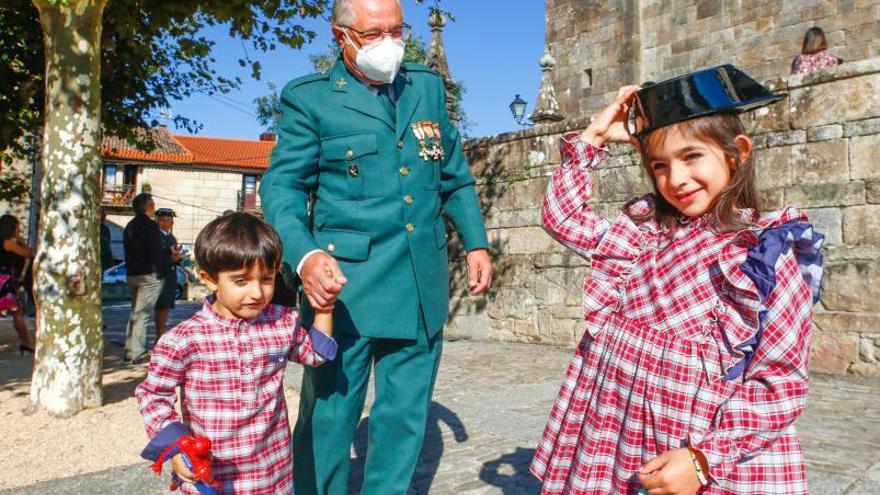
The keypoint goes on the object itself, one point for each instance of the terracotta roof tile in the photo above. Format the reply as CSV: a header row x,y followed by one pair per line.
x,y
168,149
221,152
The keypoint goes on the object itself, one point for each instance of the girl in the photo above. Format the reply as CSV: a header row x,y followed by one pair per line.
x,y
814,53
693,367
14,259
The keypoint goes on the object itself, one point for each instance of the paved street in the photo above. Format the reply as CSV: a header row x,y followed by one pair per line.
x,y
489,408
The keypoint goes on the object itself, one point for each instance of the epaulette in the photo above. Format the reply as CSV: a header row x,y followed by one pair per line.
x,y
415,67
308,79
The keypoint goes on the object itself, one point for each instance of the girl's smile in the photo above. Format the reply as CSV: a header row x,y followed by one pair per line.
x,y
690,174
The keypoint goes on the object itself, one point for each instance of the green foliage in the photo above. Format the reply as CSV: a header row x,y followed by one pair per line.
x,y
14,186
152,53
269,109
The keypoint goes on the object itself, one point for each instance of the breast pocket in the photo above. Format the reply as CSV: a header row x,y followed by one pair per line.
x,y
350,167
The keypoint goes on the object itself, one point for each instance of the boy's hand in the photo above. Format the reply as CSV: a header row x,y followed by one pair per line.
x,y
322,280
670,473
609,125
181,470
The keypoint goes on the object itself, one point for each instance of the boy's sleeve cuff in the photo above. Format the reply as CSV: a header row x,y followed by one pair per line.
x,y
323,344
165,438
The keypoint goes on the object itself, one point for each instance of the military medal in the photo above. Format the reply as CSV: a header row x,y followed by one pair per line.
x,y
430,143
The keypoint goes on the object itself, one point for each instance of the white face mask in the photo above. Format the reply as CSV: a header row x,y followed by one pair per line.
x,y
379,61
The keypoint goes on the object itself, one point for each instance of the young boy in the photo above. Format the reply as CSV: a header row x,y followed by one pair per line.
x,y
229,360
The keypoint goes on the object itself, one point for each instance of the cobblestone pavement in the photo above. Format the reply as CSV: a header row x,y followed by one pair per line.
x,y
489,409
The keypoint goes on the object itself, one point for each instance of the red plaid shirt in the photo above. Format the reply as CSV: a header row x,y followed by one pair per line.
x,y
230,372
680,349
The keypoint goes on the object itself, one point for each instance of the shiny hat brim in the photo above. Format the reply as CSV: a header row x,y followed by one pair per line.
x,y
165,212
720,89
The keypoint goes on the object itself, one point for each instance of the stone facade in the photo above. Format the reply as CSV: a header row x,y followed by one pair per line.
x,y
602,45
196,195
815,149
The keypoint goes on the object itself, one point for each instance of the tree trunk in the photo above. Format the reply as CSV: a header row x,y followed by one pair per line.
x,y
68,361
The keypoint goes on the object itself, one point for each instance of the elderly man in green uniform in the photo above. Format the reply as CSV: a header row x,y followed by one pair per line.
x,y
370,145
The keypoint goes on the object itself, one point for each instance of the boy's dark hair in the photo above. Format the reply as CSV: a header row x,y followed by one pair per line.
x,y
236,241
8,223
140,202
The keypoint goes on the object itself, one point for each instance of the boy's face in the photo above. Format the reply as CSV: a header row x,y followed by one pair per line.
x,y
242,293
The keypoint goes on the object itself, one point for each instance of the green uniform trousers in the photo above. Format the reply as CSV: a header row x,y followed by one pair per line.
x,y
332,401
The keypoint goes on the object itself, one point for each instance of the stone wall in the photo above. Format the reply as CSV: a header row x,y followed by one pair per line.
x,y
815,149
197,196
601,45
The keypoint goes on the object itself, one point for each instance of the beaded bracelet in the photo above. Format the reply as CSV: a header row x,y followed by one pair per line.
x,y
701,476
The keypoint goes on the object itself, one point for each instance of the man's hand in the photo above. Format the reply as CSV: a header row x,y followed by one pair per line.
x,y
670,473
479,271
322,280
180,468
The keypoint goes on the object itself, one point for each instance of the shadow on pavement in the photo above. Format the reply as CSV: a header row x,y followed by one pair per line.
x,y
510,472
429,458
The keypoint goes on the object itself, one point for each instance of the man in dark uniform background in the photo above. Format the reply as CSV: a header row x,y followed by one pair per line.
x,y
171,257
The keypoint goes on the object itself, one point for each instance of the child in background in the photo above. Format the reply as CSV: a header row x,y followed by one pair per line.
x,y
693,368
229,361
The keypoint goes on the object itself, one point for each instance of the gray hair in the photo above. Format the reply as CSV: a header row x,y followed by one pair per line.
x,y
343,12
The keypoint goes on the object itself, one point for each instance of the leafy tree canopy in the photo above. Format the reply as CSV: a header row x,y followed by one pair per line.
x,y
152,53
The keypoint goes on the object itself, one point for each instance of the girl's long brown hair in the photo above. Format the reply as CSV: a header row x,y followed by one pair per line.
x,y
721,130
814,41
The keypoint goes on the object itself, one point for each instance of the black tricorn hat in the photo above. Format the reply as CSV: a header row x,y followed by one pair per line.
x,y
719,89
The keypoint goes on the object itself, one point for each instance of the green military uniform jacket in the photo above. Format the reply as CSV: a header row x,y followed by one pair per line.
x,y
377,203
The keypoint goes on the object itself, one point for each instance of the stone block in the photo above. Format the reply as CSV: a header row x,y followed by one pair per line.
x,y
825,132
873,371
829,221
774,117
867,350
796,136
833,353
835,101
523,240
862,127
861,225
872,191
773,166
851,286
820,162
620,184
864,158
819,195
863,322
772,199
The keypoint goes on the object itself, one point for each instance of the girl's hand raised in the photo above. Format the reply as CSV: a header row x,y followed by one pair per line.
x,y
670,473
609,125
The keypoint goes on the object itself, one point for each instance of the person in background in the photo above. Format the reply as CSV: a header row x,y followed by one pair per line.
x,y
107,259
172,256
146,267
814,53
14,257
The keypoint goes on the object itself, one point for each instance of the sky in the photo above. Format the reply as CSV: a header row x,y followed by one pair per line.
x,y
493,47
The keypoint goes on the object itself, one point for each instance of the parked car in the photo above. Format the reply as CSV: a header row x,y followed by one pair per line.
x,y
118,275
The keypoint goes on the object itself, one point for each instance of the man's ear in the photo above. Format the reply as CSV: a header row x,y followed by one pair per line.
x,y
743,146
209,281
338,35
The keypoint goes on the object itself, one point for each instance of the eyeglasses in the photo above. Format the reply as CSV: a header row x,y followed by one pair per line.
x,y
373,35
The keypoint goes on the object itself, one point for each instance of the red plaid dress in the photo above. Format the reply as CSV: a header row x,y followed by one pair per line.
x,y
668,318
231,372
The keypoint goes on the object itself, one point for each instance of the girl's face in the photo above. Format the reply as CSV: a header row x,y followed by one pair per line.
x,y
690,173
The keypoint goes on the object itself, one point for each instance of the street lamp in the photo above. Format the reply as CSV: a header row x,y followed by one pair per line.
x,y
518,109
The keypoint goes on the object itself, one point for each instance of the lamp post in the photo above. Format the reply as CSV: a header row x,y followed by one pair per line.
x,y
518,109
